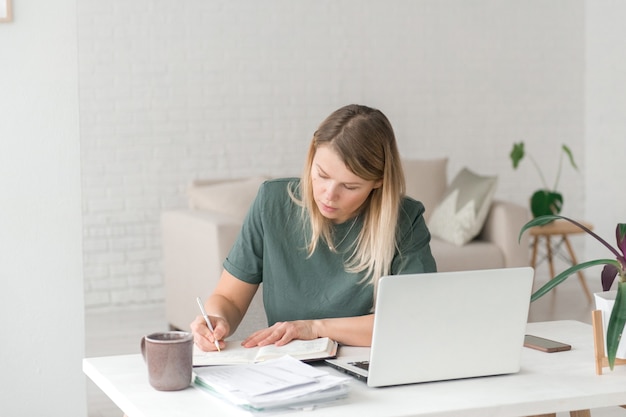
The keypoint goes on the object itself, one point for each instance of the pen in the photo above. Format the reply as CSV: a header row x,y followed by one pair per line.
x,y
208,322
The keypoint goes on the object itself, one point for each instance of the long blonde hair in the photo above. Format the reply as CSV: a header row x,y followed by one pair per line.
x,y
364,139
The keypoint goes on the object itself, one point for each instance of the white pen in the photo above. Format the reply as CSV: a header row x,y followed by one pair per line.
x,y
208,322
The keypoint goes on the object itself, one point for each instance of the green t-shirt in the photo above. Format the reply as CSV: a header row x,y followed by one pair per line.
x,y
271,249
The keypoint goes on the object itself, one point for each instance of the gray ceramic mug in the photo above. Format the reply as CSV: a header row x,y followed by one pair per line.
x,y
168,356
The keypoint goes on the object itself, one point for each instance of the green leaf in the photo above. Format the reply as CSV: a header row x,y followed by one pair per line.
x,y
570,155
565,274
545,202
517,154
620,234
537,221
616,324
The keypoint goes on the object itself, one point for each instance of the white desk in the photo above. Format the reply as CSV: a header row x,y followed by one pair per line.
x,y
548,382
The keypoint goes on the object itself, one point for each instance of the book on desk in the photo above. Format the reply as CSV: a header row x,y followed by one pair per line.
x,y
235,354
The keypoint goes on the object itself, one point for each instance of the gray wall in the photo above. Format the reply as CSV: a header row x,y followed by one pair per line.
x,y
41,282
605,133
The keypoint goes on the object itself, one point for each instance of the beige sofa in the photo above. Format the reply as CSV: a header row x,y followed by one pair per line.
x,y
196,240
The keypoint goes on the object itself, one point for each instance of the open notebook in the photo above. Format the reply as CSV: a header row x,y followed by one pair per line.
x,y
234,354
447,325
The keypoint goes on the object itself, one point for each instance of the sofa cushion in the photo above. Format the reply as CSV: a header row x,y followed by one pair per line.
x,y
426,181
462,212
232,197
479,254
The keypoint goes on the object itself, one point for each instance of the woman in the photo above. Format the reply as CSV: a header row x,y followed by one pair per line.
x,y
319,244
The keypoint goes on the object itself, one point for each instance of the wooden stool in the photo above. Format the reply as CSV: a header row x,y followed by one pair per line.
x,y
561,228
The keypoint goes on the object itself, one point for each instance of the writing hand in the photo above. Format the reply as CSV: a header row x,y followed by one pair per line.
x,y
204,338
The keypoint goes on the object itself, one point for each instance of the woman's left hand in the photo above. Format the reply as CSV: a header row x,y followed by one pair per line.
x,y
282,333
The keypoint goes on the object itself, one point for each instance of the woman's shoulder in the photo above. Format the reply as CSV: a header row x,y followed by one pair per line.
x,y
278,191
278,182
411,221
411,212
280,186
411,206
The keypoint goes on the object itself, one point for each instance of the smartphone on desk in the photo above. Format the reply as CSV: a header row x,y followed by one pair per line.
x,y
545,345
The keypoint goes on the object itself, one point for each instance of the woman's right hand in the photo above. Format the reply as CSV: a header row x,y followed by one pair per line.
x,y
203,337
226,307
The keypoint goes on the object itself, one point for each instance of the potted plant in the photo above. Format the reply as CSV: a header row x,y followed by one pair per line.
x,y
612,268
545,200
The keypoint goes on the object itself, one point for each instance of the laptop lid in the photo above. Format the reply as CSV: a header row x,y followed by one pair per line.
x,y
449,325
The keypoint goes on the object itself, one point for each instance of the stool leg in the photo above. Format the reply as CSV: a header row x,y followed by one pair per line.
x,y
533,258
581,277
549,250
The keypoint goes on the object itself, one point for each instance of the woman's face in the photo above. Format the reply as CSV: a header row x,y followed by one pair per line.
x,y
337,191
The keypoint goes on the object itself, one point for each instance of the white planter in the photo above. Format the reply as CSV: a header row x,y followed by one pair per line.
x,y
604,303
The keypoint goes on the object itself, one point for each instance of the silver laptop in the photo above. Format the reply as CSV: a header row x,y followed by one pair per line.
x,y
446,325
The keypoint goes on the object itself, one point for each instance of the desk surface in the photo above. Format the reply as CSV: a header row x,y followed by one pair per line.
x,y
547,382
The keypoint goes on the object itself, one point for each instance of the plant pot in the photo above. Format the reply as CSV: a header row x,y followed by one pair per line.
x,y
545,202
604,302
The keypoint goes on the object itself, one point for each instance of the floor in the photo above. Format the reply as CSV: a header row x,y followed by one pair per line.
x,y
120,331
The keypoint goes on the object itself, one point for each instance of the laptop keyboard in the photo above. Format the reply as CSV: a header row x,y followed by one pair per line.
x,y
361,364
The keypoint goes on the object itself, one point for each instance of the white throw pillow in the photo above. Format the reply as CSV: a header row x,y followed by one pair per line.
x,y
232,197
461,214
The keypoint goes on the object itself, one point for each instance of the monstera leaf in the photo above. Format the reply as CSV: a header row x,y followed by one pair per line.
x,y
545,202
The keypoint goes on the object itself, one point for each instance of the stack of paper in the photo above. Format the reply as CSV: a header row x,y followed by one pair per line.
x,y
274,384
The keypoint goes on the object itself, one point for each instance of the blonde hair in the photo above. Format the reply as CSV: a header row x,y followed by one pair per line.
x,y
364,139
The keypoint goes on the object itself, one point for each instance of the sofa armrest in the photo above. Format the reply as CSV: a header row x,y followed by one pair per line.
x,y
195,244
502,227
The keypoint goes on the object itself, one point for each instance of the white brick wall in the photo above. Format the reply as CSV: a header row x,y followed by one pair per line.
x,y
172,91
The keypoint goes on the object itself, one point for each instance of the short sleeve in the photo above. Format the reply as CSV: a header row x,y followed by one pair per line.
x,y
245,259
413,254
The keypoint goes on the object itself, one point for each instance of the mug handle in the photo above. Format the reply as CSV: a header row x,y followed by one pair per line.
x,y
143,347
